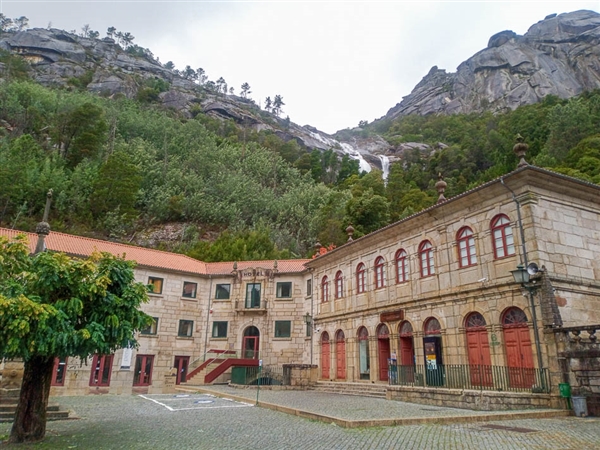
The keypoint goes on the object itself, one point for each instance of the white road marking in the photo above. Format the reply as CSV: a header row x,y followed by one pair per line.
x,y
232,405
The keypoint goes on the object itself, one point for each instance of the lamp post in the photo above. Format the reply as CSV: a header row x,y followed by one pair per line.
x,y
522,277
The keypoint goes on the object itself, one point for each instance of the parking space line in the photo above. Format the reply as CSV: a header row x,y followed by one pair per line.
x,y
233,403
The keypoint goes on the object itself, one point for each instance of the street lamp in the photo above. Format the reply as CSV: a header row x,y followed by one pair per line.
x,y
521,275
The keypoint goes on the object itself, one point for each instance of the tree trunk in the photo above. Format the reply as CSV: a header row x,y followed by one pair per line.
x,y
30,417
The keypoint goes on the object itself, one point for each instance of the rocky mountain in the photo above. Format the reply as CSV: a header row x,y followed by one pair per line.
x,y
558,55
62,59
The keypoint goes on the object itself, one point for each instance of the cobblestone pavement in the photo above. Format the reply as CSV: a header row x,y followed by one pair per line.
x,y
134,422
349,407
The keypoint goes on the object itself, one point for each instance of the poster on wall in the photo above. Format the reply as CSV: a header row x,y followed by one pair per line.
x,y
430,356
126,359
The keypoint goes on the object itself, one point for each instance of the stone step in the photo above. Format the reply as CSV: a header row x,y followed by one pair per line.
x,y
354,392
53,412
50,415
13,407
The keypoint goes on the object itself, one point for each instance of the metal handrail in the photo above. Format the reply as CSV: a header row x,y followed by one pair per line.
x,y
471,376
202,359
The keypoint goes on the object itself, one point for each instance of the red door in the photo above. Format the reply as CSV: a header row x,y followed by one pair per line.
x,y
325,356
519,356
250,346
340,357
480,361
181,365
384,354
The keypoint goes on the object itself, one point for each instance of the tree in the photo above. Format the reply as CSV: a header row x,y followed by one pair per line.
x,y
169,65
277,104
220,84
21,23
268,104
189,73
52,305
127,39
245,90
5,23
201,75
110,32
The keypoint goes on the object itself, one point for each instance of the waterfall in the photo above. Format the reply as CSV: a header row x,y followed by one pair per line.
x,y
385,167
355,154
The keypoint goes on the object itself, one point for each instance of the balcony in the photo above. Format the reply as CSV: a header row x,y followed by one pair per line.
x,y
254,307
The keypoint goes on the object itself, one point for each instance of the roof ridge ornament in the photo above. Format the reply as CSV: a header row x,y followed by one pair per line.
x,y
43,228
440,186
520,150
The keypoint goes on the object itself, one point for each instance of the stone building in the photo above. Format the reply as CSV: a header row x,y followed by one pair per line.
x,y
427,305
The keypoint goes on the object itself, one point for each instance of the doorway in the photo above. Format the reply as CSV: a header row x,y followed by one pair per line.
x,y
517,343
383,351
478,350
340,355
432,346
181,365
325,355
250,343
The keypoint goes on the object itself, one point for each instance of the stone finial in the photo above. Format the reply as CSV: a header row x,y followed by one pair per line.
x,y
350,232
520,150
235,265
440,186
275,264
43,228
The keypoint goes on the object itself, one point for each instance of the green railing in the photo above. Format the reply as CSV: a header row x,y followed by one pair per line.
x,y
465,376
269,375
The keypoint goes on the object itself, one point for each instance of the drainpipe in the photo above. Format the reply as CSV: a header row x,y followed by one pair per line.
x,y
207,317
312,325
525,263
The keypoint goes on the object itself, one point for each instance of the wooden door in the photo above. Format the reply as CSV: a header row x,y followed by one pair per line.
x,y
340,358
250,347
480,361
325,356
406,371
383,345
181,365
519,356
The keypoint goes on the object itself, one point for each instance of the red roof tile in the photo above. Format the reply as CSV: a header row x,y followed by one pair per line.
x,y
82,246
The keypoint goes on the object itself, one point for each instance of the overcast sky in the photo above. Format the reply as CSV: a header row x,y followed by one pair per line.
x,y
334,63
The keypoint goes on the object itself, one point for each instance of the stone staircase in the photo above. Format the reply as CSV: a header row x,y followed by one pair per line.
x,y
359,389
8,406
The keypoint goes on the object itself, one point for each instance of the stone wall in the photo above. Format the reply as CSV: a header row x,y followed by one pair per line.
x,y
476,400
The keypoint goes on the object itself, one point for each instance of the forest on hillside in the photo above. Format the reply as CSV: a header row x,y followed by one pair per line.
x,y
118,166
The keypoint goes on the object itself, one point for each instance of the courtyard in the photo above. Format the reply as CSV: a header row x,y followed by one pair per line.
x,y
206,421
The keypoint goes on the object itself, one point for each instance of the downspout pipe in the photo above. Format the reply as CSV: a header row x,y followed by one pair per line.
x,y
208,317
525,262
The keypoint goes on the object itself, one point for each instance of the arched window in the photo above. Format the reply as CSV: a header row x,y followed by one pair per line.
x,y
426,259
401,266
502,235
383,331
474,320
325,289
339,284
466,247
432,326
379,272
514,316
405,328
360,278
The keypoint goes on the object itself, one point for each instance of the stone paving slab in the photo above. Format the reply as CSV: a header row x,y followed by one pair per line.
x,y
132,422
356,411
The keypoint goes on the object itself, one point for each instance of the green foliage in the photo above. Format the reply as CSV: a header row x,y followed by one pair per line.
x,y
250,245
15,67
53,305
81,82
